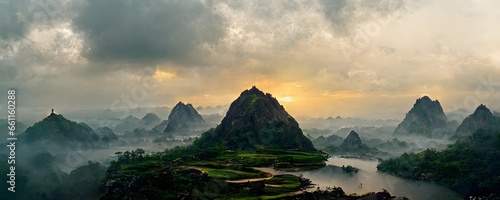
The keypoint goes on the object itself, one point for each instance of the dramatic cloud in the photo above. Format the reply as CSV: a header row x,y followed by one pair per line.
x,y
149,31
320,58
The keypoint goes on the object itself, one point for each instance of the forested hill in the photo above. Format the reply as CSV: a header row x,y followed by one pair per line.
x,y
469,167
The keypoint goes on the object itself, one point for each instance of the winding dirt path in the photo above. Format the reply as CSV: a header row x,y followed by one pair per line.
x,y
249,180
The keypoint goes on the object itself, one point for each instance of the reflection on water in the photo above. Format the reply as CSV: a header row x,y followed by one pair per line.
x,y
373,181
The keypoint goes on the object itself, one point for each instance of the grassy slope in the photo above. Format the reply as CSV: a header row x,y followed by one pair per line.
x,y
177,166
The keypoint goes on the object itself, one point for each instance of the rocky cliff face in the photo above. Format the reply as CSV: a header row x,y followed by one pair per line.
x,y
482,118
426,118
183,119
257,120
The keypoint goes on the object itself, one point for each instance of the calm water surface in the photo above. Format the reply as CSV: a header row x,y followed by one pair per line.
x,y
368,179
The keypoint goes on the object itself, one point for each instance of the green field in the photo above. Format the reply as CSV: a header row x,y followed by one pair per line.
x,y
232,174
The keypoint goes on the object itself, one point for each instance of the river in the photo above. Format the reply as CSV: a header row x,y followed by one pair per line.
x,y
372,180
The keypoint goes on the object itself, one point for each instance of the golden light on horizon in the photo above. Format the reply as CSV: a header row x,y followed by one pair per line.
x,y
161,75
286,99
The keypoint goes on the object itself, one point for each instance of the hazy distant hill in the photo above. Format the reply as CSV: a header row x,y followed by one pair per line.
x,y
426,118
150,120
183,118
128,124
20,127
213,119
160,127
257,120
340,122
496,114
353,145
106,134
457,115
482,118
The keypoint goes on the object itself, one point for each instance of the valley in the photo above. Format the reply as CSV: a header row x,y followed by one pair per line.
x,y
258,151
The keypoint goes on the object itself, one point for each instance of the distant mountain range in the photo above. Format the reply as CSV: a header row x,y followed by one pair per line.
x,y
469,166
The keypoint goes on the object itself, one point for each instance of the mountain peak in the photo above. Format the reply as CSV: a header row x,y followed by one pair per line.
x,y
424,98
150,120
253,91
426,101
257,120
130,117
150,117
425,118
352,140
183,118
54,116
482,109
61,131
482,118
353,145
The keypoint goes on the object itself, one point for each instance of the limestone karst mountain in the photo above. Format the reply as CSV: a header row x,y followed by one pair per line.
x,y
183,119
150,120
57,130
426,118
352,142
257,120
482,118
128,124
106,134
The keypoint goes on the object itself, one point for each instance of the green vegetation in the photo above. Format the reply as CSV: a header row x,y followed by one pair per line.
x,y
470,166
233,174
60,131
349,169
287,181
46,182
184,172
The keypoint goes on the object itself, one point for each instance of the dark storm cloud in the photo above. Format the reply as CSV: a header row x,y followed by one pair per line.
x,y
17,17
151,31
11,24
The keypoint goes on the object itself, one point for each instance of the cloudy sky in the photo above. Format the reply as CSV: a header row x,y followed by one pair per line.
x,y
318,58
